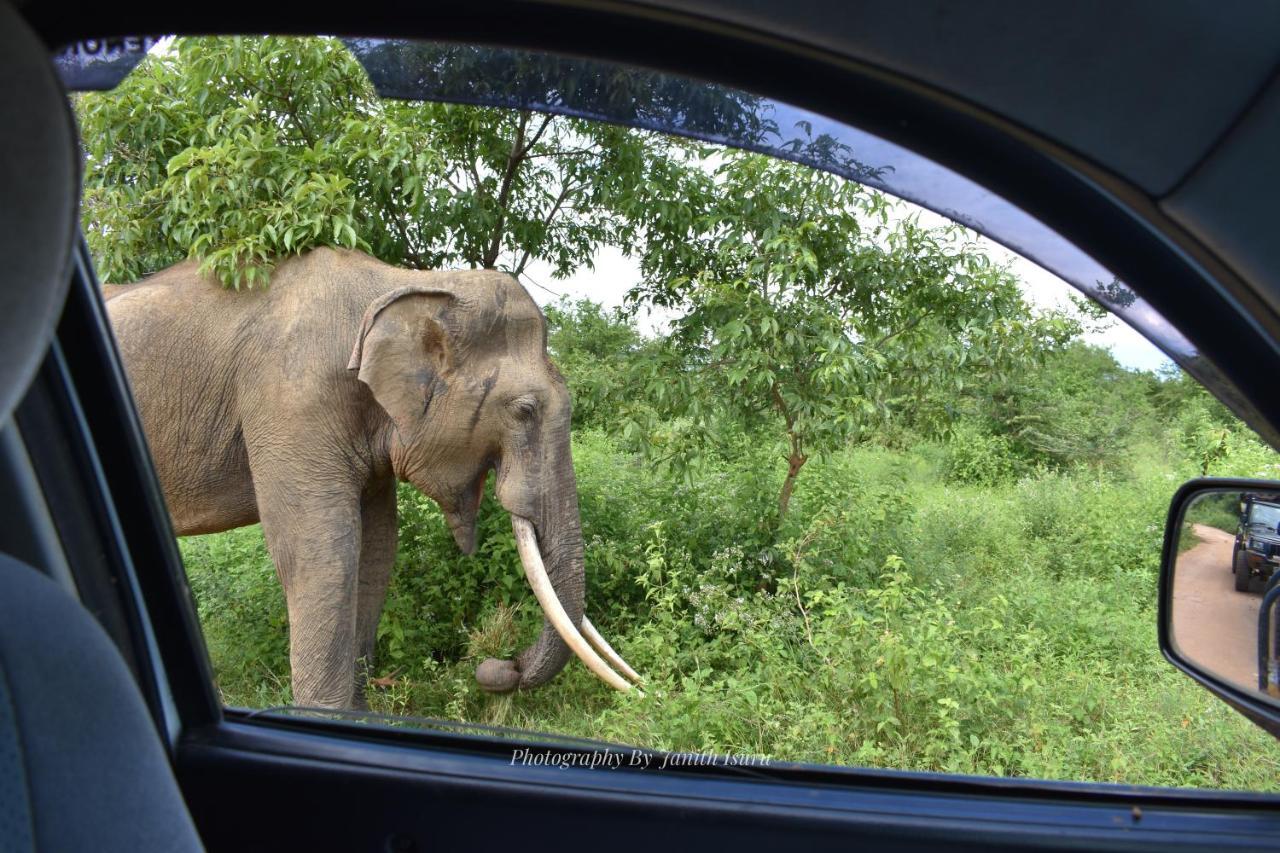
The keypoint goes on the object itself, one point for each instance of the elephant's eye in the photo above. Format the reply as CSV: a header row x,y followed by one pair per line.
x,y
524,408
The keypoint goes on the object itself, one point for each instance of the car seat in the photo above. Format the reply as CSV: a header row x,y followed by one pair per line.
x,y
82,764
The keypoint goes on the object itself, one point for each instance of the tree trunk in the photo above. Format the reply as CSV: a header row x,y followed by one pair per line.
x,y
797,458
514,160
794,463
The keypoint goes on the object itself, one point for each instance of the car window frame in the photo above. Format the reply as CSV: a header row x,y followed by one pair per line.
x,y
159,584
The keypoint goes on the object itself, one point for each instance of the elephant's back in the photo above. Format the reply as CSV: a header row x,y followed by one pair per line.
x,y
111,291
181,291
180,318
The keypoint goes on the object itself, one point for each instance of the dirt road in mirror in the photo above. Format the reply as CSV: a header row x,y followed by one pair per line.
x,y
1213,625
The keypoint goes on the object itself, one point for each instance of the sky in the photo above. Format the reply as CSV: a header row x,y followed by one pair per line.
x,y
614,275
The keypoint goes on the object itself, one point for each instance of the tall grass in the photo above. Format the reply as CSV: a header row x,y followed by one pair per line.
x,y
900,618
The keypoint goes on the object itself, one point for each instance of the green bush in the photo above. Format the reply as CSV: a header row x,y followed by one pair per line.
x,y
947,607
899,618
978,458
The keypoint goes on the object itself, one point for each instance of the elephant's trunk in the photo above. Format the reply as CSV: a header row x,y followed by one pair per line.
x,y
564,574
551,552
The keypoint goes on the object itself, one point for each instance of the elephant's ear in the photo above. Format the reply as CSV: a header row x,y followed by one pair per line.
x,y
403,352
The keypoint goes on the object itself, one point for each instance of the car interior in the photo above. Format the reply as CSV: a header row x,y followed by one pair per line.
x,y
1139,139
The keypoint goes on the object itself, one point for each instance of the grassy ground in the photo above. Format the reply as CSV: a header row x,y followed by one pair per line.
x,y
897,620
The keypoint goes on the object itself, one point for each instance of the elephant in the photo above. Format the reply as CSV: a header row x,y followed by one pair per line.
x,y
302,404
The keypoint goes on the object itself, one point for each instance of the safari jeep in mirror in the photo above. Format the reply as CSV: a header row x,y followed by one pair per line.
x,y
1256,552
1219,620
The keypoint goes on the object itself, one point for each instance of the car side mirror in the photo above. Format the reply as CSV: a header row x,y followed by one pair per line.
x,y
1220,592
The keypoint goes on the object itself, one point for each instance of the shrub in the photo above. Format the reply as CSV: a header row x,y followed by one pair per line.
x,y
978,458
896,620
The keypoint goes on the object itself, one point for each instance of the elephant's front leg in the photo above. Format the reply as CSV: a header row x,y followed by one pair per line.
x,y
316,548
377,558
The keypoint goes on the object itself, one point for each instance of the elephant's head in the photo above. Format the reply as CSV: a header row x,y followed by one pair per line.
x,y
459,363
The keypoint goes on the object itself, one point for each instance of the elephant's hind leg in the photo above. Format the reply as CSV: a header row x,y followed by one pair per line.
x,y
377,558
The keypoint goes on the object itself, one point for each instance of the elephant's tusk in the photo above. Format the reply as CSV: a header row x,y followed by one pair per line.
x,y
602,646
536,572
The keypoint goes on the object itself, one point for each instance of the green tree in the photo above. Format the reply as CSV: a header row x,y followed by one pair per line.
x,y
1080,407
1214,440
596,350
808,307
239,151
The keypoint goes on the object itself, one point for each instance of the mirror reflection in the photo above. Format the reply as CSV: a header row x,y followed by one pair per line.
x,y
1224,611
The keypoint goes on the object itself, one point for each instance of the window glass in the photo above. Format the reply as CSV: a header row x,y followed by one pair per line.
x,y
843,481
1264,514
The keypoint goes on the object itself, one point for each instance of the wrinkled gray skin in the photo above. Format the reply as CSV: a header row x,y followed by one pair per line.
x,y
301,405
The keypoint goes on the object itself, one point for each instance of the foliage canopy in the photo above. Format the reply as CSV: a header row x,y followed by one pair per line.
x,y
239,151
